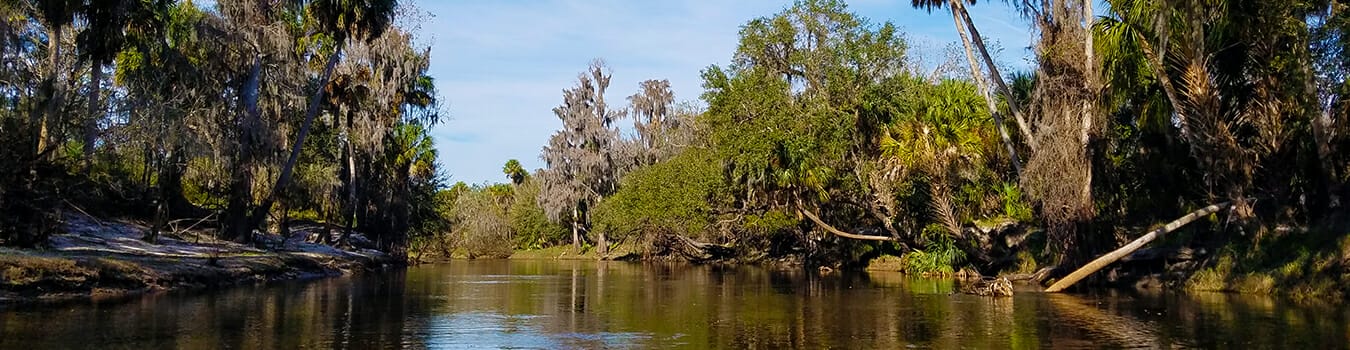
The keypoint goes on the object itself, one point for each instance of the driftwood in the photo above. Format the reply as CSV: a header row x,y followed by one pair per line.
x,y
1117,254
991,287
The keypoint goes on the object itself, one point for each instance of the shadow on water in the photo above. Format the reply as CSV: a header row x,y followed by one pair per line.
x,y
581,304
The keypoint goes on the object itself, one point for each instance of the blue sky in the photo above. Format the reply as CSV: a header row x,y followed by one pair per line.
x,y
501,66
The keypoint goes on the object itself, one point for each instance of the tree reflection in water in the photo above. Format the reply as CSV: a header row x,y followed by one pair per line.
x,y
583,304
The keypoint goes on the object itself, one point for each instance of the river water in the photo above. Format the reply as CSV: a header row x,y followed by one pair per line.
x,y
597,305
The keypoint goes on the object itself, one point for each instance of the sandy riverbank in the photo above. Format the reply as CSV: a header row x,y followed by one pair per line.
x,y
100,259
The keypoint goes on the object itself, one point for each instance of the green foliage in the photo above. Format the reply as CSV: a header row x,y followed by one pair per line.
x,y
1014,205
515,172
769,222
530,225
940,256
784,114
481,226
677,194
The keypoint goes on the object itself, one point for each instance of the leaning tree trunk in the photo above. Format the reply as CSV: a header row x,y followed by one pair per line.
x,y
994,74
984,91
1117,254
260,213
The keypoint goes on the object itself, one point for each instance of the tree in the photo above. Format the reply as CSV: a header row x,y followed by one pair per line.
x,y
515,172
962,22
655,122
339,20
794,115
580,168
99,44
1066,101
54,15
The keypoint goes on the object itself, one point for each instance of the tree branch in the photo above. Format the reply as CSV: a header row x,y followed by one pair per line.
x,y
839,233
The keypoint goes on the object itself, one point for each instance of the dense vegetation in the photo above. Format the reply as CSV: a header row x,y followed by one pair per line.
x,y
247,114
824,140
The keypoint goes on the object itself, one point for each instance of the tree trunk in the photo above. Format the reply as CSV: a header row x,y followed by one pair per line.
x,y
576,237
171,182
350,215
1090,84
54,102
994,73
1155,59
260,213
91,123
238,227
1117,254
601,240
984,91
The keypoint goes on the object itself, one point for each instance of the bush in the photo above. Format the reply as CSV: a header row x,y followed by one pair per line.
x,y
675,195
528,222
480,227
1014,203
940,255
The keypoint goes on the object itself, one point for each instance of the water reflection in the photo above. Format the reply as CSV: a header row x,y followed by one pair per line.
x,y
548,305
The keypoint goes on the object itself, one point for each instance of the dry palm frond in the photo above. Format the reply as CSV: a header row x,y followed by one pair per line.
x,y
942,209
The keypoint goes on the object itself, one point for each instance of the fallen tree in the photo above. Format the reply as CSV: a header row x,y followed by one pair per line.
x,y
1122,252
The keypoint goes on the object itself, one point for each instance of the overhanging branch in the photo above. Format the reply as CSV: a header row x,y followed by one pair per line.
x,y
840,233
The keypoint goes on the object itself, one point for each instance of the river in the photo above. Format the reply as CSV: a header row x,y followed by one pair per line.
x,y
594,305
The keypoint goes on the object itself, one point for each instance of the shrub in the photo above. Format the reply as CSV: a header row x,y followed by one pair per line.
x,y
480,227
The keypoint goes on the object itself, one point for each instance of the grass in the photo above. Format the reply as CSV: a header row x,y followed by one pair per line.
x,y
1307,265
22,271
886,262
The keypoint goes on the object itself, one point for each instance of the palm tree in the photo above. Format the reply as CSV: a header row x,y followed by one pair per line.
x,y
515,172
99,43
962,21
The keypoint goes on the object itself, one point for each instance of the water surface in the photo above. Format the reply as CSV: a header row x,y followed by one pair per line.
x,y
597,305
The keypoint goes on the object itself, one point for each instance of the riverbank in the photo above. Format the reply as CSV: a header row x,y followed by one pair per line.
x,y
1318,272
98,259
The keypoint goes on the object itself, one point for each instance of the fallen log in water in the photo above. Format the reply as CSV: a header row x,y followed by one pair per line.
x,y
1117,254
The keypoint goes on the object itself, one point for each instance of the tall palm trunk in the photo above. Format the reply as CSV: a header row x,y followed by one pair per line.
x,y
984,91
960,10
260,213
